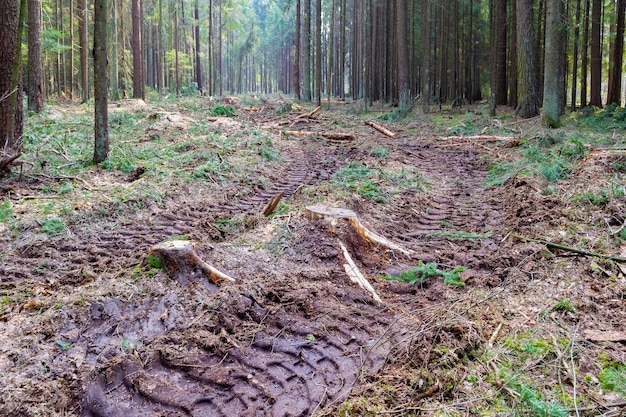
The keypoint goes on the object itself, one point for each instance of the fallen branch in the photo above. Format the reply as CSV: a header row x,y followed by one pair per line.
x,y
380,128
309,115
330,136
6,160
355,275
568,249
181,260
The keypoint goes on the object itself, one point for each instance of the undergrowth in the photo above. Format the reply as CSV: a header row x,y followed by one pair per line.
x,y
426,271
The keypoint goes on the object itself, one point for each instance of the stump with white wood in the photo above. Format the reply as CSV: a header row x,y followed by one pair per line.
x,y
182,261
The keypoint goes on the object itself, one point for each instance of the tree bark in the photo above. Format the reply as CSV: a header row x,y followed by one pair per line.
x,y
35,78
137,47
616,57
101,81
596,54
198,62
528,103
83,40
404,91
296,64
426,57
554,73
318,52
575,56
500,26
306,51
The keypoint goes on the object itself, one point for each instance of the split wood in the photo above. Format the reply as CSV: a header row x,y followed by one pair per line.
x,y
330,136
568,249
181,259
355,274
272,204
380,128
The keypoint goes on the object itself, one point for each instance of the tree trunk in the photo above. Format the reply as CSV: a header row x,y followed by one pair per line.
x,y
426,56
554,73
528,103
500,26
584,69
318,52
101,81
616,57
198,63
404,91
115,92
596,55
513,60
83,44
306,51
575,56
296,64
35,78
137,46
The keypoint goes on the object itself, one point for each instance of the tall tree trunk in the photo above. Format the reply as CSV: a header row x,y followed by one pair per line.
x,y
342,51
176,48
306,51
10,93
35,78
616,57
83,44
100,82
500,26
198,63
210,80
404,102
71,51
513,54
426,56
584,69
575,56
115,92
554,73
596,54
296,64
318,52
528,103
137,46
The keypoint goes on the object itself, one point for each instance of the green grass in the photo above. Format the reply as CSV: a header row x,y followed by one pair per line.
x,y
223,110
608,119
359,178
53,227
550,157
459,235
426,271
6,211
613,377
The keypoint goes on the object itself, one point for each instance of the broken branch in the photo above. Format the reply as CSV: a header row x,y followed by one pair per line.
x,y
330,136
380,128
272,204
568,249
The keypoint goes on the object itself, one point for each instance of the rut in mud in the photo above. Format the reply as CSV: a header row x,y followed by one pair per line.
x,y
293,335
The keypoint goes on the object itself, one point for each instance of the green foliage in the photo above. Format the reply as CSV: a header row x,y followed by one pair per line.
x,y
602,198
284,108
63,344
223,110
155,261
52,226
613,377
425,271
6,210
550,157
190,90
460,235
270,154
380,152
604,120
563,305
358,177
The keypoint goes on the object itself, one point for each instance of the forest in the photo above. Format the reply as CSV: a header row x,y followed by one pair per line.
x,y
312,208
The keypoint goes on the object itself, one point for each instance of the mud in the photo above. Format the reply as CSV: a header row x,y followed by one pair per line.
x,y
293,336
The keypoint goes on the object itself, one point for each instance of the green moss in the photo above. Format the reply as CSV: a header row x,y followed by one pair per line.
x,y
155,261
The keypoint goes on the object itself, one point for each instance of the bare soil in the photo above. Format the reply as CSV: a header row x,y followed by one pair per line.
x,y
89,327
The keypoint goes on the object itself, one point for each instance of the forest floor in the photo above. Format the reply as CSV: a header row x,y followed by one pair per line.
x,y
480,313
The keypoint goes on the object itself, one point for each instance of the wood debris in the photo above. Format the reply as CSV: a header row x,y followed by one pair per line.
x,y
355,274
382,129
272,204
181,259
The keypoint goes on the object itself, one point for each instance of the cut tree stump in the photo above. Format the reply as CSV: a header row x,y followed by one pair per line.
x,y
182,261
334,215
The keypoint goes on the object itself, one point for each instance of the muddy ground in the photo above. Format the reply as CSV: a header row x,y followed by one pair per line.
x,y
90,326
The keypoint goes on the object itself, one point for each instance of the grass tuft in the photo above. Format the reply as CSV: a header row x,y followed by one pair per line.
x,y
424,272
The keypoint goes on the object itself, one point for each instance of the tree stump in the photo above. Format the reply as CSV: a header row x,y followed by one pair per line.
x,y
334,215
182,261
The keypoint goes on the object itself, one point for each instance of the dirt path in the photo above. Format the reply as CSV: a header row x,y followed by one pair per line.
x,y
94,330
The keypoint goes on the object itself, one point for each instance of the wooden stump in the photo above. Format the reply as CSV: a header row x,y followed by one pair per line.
x,y
182,261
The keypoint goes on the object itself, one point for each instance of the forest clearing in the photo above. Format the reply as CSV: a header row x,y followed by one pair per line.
x,y
494,250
